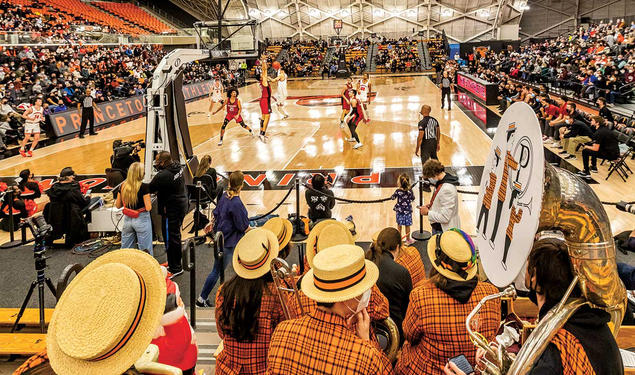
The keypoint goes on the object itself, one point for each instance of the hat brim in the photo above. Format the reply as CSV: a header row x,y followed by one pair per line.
x,y
149,269
311,291
289,233
432,245
311,240
266,267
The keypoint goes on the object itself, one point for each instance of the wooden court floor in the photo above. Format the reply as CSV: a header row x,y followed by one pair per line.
x,y
312,139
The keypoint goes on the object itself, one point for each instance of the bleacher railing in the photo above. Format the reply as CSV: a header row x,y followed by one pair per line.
x,y
25,38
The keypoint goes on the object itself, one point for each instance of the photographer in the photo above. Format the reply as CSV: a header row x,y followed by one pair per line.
x,y
65,211
124,154
320,205
170,188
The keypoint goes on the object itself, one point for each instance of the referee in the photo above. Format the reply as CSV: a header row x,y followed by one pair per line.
x,y
429,133
86,108
446,85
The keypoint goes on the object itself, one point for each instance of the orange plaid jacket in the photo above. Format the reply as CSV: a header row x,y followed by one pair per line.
x,y
572,354
489,191
320,344
249,357
435,331
410,258
510,162
514,218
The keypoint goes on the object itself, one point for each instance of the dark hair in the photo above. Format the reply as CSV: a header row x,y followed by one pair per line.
x,y
164,158
328,305
25,174
388,240
438,279
317,181
431,168
598,119
404,181
241,306
229,92
549,262
601,99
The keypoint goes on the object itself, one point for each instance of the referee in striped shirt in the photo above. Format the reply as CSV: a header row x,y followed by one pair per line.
x,y
429,134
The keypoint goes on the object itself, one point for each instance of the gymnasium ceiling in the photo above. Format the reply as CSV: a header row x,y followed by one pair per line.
x,y
462,20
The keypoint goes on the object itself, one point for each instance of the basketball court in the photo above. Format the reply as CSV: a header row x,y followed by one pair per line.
x,y
311,140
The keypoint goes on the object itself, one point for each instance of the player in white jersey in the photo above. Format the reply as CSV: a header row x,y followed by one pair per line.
x,y
33,116
281,94
363,89
215,95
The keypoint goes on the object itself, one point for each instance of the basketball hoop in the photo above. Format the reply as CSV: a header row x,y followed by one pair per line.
x,y
337,25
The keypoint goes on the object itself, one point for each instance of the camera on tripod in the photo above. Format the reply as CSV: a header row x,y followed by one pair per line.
x,y
120,148
38,226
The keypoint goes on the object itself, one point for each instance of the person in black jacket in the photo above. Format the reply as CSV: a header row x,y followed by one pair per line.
x,y
575,133
65,211
320,205
394,279
169,186
605,146
29,188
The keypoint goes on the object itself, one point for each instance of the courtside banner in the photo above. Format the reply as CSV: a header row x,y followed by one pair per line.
x,y
68,122
510,196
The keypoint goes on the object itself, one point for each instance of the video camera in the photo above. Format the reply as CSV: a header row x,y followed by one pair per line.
x,y
626,207
38,226
120,148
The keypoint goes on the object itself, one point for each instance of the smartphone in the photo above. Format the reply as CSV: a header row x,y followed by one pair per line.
x,y
463,364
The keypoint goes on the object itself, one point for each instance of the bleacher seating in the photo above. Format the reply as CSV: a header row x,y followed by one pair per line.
x,y
92,14
135,15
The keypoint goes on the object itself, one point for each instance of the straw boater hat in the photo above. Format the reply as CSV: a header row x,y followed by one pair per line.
x,y
452,253
282,228
339,273
107,315
325,234
254,252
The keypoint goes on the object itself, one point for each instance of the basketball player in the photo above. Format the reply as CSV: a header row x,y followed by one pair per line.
x,y
347,95
281,95
265,99
33,116
234,108
215,95
363,90
358,113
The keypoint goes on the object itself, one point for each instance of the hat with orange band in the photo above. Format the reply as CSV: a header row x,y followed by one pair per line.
x,y
339,273
254,252
107,316
453,254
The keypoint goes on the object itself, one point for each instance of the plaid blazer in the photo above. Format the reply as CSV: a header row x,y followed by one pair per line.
x,y
410,258
249,357
434,328
377,308
320,344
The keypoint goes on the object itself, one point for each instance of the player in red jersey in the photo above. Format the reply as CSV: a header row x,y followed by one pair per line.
x,y
358,113
265,99
234,108
347,94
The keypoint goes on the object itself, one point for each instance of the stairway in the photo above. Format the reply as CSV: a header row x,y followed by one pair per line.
x,y
329,55
426,61
283,55
370,58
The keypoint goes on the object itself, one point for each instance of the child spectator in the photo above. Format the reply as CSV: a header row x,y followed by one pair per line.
x,y
403,207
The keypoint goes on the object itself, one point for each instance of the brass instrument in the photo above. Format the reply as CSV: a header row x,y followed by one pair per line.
x,y
570,206
284,278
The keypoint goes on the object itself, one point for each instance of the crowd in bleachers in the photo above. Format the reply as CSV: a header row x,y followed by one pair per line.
x,y
399,55
61,75
597,61
305,58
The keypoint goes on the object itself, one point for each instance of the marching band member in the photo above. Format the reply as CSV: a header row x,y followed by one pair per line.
x,y
283,229
394,279
434,327
323,342
585,344
247,309
409,257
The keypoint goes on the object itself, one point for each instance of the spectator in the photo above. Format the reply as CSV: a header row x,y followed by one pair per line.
x,y
66,210
134,197
29,188
321,201
605,146
443,208
209,183
230,218
169,186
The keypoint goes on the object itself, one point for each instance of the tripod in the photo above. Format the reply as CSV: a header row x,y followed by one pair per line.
x,y
40,265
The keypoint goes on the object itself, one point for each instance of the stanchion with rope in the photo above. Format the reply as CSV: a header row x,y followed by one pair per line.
x,y
299,236
12,241
421,235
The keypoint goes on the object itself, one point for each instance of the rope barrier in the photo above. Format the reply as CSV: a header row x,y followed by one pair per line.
x,y
354,200
275,208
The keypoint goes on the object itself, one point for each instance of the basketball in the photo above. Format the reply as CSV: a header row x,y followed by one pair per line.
x,y
276,65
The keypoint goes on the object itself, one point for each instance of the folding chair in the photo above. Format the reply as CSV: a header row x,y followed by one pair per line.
x,y
619,165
